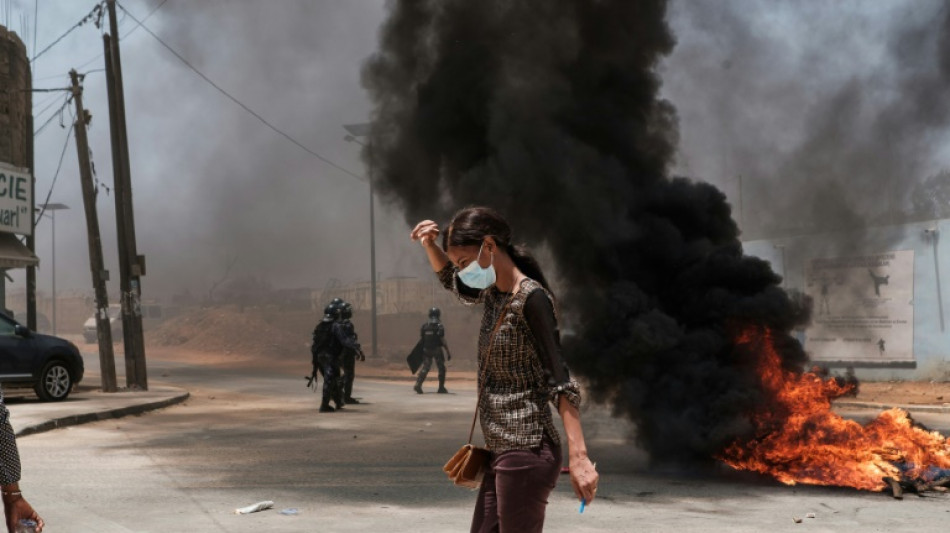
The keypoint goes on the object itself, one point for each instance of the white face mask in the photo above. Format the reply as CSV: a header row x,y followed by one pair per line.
x,y
476,276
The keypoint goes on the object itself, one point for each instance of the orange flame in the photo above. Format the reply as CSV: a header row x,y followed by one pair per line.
x,y
798,439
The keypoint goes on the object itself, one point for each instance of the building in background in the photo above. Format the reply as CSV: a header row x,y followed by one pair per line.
x,y
403,304
16,141
394,295
877,297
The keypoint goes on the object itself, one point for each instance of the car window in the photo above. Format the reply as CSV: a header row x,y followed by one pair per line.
x,y
6,328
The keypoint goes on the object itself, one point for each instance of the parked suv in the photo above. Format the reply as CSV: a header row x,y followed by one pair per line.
x,y
50,365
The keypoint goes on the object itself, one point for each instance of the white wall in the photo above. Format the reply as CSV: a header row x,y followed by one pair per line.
x,y
931,342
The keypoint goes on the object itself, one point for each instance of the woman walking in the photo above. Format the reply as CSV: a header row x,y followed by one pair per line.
x,y
520,370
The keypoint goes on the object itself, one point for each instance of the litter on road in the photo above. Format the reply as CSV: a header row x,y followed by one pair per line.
x,y
253,508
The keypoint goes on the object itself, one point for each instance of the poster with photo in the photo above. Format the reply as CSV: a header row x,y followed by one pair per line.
x,y
862,308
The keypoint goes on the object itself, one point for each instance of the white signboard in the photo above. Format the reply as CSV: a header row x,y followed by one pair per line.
x,y
863,308
16,197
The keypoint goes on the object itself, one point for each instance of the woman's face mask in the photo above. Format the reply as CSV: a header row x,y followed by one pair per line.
x,y
477,276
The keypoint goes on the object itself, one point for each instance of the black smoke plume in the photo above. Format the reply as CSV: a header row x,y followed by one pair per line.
x,y
549,112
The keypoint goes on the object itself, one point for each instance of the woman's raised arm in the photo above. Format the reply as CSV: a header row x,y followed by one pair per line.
x,y
426,233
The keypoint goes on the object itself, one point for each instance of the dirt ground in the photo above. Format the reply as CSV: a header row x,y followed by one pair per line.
x,y
905,392
369,369
239,338
883,392
283,336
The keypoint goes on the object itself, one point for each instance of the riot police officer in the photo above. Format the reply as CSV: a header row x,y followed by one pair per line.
x,y
325,360
433,341
342,339
349,354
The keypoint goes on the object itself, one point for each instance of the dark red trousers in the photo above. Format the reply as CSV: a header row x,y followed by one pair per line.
x,y
514,492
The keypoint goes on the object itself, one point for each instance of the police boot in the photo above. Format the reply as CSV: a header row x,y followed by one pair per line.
x,y
418,388
325,407
338,397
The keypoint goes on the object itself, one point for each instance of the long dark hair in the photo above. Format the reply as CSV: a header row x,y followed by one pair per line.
x,y
471,225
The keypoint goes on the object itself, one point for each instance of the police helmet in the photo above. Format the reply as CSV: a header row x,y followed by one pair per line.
x,y
338,310
346,311
328,311
434,312
336,301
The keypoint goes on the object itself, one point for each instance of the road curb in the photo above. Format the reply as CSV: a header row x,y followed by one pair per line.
x,y
84,418
929,408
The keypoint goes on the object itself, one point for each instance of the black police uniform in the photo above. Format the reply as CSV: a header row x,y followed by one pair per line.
x,y
349,360
340,340
326,362
433,339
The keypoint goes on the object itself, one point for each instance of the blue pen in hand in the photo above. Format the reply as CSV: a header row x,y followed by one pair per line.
x,y
584,500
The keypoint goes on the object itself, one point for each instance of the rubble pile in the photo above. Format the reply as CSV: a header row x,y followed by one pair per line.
x,y
228,330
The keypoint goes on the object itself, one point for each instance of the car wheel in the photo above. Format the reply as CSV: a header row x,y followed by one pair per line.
x,y
55,382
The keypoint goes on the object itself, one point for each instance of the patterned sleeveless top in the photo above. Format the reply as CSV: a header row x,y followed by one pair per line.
x,y
513,408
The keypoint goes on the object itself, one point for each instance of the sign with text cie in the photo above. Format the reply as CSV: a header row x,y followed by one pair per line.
x,y
16,199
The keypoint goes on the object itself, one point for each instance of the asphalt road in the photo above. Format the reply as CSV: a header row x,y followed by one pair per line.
x,y
248,435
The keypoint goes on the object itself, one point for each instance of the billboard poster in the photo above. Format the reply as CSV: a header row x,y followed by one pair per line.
x,y
15,200
863,308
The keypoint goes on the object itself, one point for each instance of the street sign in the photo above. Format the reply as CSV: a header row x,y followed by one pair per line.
x,y
16,200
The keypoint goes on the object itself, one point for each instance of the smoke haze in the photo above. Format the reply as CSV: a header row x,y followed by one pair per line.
x,y
550,113
824,104
569,116
553,114
212,185
826,115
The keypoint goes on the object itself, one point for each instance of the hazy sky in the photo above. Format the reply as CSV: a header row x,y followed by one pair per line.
x,y
211,182
752,81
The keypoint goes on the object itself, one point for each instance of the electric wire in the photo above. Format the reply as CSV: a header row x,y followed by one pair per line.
x,y
49,103
36,24
58,113
92,15
139,24
44,100
238,102
52,185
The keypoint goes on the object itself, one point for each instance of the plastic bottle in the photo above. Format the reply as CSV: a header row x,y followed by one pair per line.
x,y
25,526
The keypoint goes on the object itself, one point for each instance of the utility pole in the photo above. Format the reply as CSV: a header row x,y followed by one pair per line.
x,y
372,258
131,265
96,263
117,189
31,238
361,130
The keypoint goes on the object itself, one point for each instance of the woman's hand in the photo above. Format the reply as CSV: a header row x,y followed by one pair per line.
x,y
17,509
425,232
584,478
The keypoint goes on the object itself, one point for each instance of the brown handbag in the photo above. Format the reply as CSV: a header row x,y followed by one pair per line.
x,y
467,467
